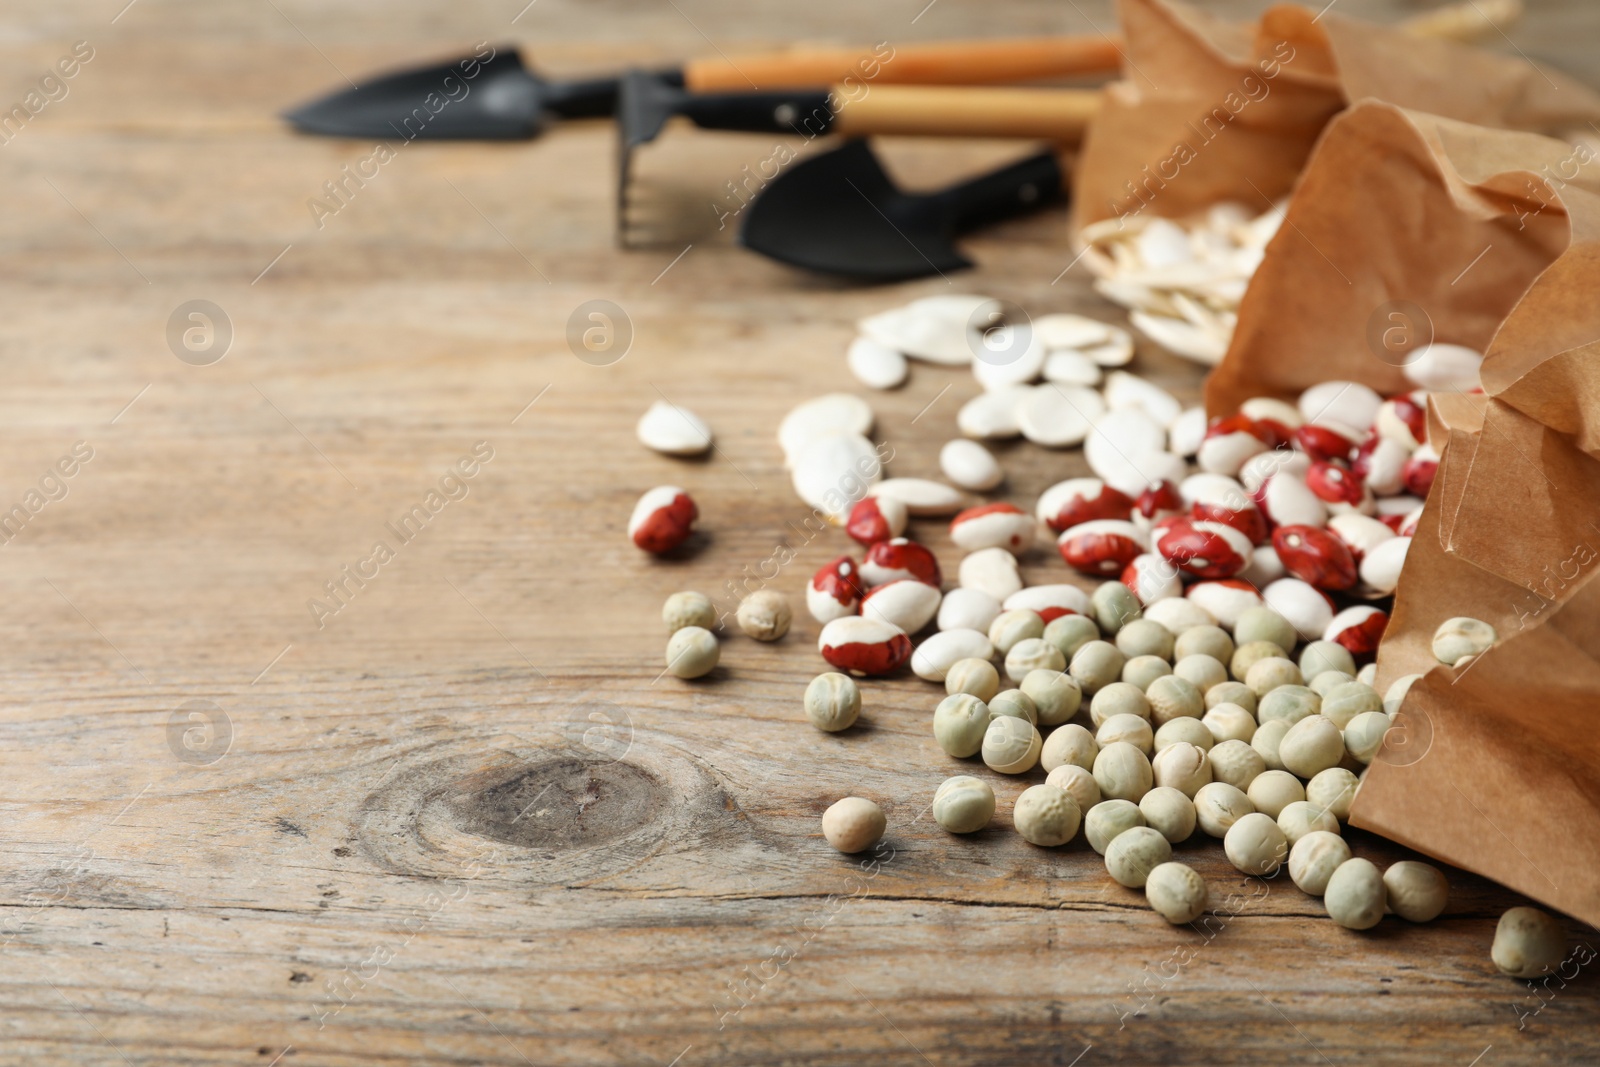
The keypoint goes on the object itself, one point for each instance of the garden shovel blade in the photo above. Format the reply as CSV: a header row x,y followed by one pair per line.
x,y
493,99
840,213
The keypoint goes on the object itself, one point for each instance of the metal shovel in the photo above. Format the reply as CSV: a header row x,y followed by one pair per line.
x,y
492,95
840,213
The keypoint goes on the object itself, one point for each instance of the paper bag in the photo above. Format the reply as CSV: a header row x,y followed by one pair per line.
x,y
1211,110
1489,238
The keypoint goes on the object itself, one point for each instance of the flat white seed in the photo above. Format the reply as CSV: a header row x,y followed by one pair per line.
x,y
1124,391
1117,352
1058,416
922,496
875,365
970,465
823,416
1133,296
1123,434
1063,330
930,334
832,473
1006,357
968,609
933,658
673,430
992,416
991,570
1071,368
1179,337
1187,431
1444,368
1163,243
1527,943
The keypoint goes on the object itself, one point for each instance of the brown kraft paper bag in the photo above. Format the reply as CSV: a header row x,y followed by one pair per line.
x,y
1211,110
1489,238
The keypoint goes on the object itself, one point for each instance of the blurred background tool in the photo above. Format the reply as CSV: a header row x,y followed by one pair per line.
x,y
506,100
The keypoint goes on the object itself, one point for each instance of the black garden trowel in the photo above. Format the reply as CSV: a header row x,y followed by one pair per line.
x,y
840,213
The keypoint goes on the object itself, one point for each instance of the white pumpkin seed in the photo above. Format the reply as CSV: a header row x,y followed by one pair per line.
x,y
823,416
1059,416
992,416
1180,338
1008,362
1062,330
874,365
832,473
1067,367
1129,391
673,430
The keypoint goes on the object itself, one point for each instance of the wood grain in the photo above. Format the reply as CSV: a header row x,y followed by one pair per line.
x,y
464,821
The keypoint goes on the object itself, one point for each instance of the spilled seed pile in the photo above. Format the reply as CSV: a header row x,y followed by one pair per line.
x,y
1219,678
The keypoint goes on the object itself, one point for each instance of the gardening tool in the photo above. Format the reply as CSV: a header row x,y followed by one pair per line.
x,y
492,95
839,212
646,103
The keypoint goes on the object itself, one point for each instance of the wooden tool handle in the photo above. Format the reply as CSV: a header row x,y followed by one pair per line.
x,y
1058,115
1470,21
942,63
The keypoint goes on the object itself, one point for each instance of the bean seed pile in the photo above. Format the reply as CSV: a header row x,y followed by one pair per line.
x,y
1218,679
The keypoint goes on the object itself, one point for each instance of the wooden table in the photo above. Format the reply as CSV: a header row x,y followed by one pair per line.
x,y
461,819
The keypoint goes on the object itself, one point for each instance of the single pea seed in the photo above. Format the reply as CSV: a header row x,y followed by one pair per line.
x,y
1033,654
959,724
1345,701
975,677
1248,655
1141,637
1172,697
1176,892
1114,606
1142,670
1096,665
1183,767
688,609
1011,745
1210,641
1045,816
1364,736
1078,783
1319,657
1185,731
1130,728
1527,943
1267,674
1255,845
1290,703
1169,812
1236,763
1134,854
1323,683
1460,637
1314,858
853,824
833,702
1355,895
1266,740
1055,695
1016,704
1368,675
1118,698
1011,627
1333,790
1311,745
1069,745
1070,633
1272,791
1229,722
1397,691
1218,806
1300,818
765,615
1232,693
1418,892
1109,818
1264,624
963,804
692,652
1201,671
1122,771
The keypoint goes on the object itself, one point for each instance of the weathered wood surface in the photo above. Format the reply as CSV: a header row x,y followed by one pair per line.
x,y
465,821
